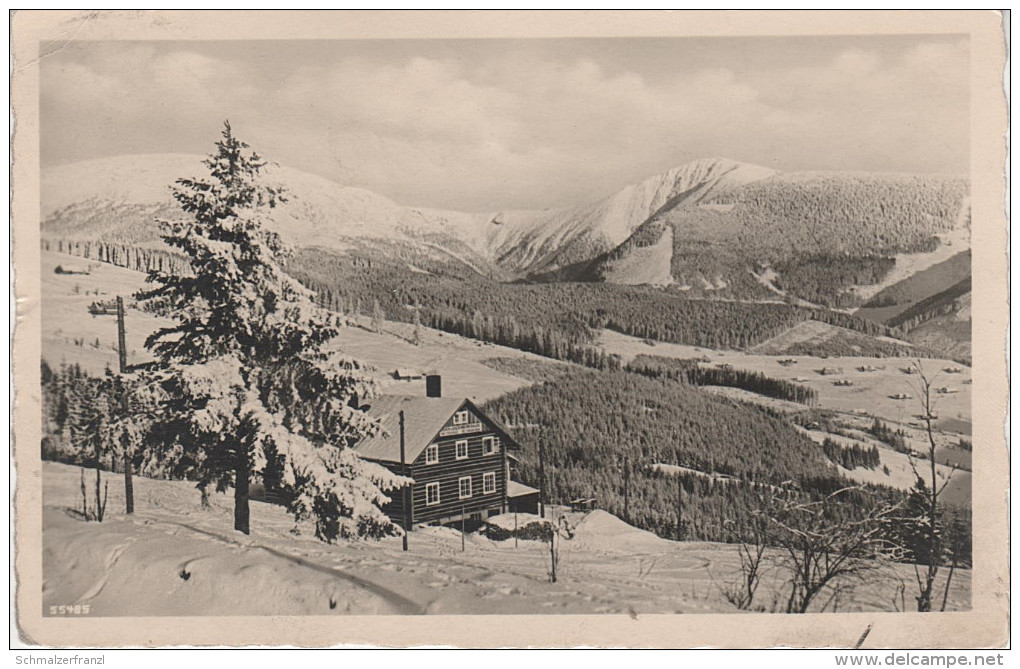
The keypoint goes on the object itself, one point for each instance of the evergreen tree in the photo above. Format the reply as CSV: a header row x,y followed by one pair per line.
x,y
244,369
377,316
416,334
915,530
91,417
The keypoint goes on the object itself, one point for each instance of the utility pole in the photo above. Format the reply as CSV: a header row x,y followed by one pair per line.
x,y
129,485
405,507
121,338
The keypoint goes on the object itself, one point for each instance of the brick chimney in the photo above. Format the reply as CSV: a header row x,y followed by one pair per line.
x,y
433,385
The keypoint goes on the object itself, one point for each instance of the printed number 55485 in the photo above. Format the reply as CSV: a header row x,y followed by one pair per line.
x,y
70,610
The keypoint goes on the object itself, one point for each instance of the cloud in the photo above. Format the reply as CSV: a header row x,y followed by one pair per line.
x,y
509,129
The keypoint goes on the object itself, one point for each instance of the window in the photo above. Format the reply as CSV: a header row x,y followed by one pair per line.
x,y
489,482
431,494
432,454
462,451
489,445
464,486
460,418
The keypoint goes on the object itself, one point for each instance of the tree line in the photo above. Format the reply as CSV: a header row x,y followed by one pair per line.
x,y
130,256
693,372
942,304
851,457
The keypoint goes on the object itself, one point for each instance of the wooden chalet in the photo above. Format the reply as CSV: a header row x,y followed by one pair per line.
x,y
458,457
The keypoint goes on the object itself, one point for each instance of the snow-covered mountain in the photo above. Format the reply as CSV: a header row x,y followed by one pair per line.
x,y
531,242
715,227
118,199
319,212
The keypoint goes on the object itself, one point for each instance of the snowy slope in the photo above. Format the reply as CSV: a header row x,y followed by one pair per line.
x,y
70,335
318,211
544,241
174,558
738,223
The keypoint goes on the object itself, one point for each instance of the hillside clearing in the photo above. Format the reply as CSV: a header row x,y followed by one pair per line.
x,y
69,335
813,332
871,392
646,265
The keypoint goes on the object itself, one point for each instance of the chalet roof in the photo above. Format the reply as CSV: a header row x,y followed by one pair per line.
x,y
424,417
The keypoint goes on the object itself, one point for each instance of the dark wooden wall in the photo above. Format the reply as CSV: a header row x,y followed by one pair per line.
x,y
447,472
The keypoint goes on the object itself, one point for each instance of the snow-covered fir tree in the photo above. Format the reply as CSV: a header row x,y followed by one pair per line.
x,y
93,414
377,317
251,387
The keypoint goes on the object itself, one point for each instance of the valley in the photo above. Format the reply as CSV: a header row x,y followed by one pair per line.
x,y
689,337
469,368
874,381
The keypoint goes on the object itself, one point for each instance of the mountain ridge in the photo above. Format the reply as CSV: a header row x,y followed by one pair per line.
x,y
711,228
321,212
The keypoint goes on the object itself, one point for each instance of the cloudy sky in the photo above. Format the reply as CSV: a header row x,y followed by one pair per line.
x,y
495,124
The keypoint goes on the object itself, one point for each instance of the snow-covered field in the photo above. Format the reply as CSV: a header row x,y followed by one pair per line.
x,y
875,380
174,558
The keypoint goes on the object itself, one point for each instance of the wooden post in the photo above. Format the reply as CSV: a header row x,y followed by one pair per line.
x,y
552,547
242,513
504,507
515,528
626,488
129,485
404,506
463,544
679,507
541,478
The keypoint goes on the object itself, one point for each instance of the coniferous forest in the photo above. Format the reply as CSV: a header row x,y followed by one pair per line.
x,y
604,432
695,373
619,437
559,320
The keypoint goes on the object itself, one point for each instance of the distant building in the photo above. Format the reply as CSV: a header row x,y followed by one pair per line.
x,y
407,374
71,269
458,457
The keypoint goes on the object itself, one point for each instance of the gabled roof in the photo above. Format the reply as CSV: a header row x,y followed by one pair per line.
x,y
424,417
